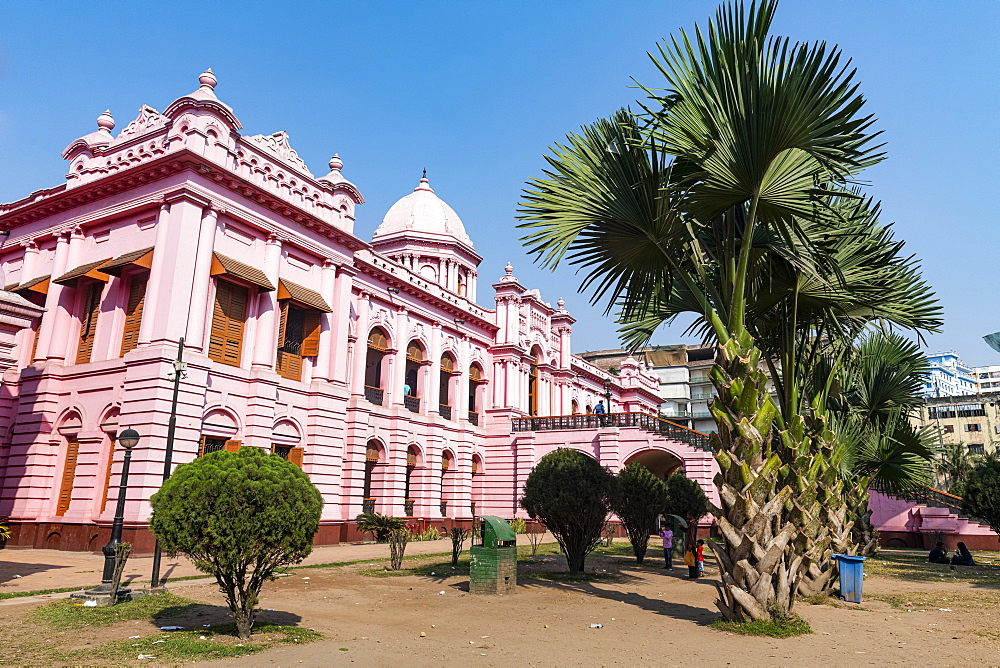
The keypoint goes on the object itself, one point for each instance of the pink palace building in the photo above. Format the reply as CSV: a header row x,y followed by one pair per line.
x,y
370,364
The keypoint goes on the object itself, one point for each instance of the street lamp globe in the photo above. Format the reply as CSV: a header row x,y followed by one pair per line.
x,y
128,439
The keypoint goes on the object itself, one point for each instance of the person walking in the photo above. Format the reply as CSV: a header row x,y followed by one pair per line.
x,y
599,411
668,546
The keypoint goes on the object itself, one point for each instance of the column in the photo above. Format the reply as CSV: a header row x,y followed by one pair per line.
x,y
156,278
29,262
473,275
266,343
361,344
198,315
50,347
341,321
433,375
327,290
398,376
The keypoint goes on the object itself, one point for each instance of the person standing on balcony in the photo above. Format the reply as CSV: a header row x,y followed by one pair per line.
x,y
599,410
407,390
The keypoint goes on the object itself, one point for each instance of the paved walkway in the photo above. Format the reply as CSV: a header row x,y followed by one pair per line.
x,y
34,570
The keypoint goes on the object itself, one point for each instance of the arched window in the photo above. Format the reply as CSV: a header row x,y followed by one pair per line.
x,y
447,373
475,381
575,407
378,343
447,463
411,465
372,456
411,384
533,385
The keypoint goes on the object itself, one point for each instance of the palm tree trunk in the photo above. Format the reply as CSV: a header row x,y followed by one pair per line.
x,y
758,569
821,506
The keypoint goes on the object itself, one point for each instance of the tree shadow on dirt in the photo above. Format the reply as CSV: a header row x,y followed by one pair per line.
x,y
203,615
8,569
701,616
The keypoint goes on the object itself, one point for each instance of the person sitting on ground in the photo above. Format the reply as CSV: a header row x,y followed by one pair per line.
x,y
939,555
962,556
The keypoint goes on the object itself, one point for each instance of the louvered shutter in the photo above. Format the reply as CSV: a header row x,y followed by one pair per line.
x,y
282,361
34,340
88,323
310,333
232,446
228,316
133,312
295,456
68,477
107,475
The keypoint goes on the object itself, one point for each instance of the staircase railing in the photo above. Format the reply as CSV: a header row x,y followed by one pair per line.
x,y
650,423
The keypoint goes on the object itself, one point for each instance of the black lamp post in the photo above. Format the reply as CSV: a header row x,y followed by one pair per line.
x,y
607,392
128,440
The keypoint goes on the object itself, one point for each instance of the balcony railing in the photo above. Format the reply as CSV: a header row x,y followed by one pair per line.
x,y
474,418
374,394
708,395
701,414
408,507
445,411
412,403
368,505
650,423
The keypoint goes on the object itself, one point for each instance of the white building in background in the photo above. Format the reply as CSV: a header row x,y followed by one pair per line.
x,y
949,376
987,378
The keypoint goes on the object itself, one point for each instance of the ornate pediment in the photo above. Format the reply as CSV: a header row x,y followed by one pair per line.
x,y
148,120
279,146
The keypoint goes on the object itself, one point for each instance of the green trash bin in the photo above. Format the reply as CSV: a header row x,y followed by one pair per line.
x,y
852,575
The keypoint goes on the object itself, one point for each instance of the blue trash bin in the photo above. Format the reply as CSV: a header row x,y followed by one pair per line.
x,y
852,575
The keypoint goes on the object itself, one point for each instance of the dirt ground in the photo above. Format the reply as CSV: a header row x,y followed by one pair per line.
x,y
650,616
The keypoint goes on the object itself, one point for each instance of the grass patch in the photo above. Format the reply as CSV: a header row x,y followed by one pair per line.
x,y
786,627
919,600
69,614
912,565
37,592
215,643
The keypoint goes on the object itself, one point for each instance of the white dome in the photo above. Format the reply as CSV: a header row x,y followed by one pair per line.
x,y
423,212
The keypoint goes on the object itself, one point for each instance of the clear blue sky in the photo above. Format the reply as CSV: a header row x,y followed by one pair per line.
x,y
477,91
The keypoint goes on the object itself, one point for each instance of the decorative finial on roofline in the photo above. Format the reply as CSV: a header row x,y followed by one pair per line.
x,y
208,80
106,122
336,164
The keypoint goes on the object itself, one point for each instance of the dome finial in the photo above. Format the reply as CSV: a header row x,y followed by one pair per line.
x,y
336,164
561,303
106,122
509,269
208,80
424,183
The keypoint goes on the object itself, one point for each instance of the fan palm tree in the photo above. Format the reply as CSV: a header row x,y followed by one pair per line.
x,y
748,139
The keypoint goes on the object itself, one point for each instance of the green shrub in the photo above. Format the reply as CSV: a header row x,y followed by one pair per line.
x,y
519,525
779,627
567,491
638,497
239,516
430,533
379,526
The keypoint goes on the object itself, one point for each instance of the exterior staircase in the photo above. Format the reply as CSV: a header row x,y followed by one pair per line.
x,y
920,517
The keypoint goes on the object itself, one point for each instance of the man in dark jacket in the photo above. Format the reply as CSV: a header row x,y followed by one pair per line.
x,y
938,555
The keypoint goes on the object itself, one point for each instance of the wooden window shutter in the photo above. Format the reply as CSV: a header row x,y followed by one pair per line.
x,y
88,323
232,446
133,312
295,456
310,333
201,446
107,474
68,477
286,364
228,317
34,340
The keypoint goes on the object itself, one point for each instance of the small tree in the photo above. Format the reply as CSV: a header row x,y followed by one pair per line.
x,y
686,498
239,516
458,536
397,546
638,497
981,491
567,491
381,527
